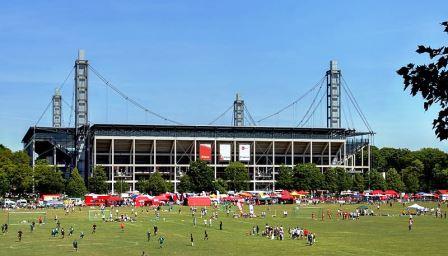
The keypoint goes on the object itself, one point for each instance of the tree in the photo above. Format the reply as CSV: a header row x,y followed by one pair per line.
x,y
331,180
4,184
393,180
121,186
411,177
430,158
156,184
185,184
308,177
358,183
344,179
97,182
16,167
201,176
285,178
47,178
237,176
440,178
377,180
220,185
431,81
75,185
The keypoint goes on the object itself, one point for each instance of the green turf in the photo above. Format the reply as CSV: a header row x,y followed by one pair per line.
x,y
378,235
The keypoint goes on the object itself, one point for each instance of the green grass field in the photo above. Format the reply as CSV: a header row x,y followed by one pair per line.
x,y
373,235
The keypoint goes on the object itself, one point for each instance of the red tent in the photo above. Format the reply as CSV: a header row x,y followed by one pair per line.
x,y
391,193
286,196
199,201
142,200
377,192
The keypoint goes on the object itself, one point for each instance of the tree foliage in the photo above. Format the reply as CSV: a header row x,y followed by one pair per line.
x,y
97,182
75,185
431,82
185,184
393,180
155,185
377,180
220,185
308,177
285,178
358,182
237,176
200,177
331,180
47,178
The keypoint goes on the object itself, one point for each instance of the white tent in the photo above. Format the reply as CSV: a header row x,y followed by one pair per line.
x,y
417,207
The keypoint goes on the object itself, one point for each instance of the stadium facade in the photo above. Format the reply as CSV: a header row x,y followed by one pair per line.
x,y
132,152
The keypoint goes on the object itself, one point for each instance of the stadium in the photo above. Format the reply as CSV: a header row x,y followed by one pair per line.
x,y
130,152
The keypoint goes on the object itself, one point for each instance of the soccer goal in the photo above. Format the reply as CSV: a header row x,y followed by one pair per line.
x,y
99,215
26,218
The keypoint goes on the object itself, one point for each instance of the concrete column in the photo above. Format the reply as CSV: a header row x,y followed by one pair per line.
x,y
113,167
54,155
254,168
175,166
234,150
273,165
155,154
133,164
311,151
292,153
215,157
94,151
195,150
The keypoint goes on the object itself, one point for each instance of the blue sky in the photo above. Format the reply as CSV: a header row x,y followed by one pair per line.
x,y
187,59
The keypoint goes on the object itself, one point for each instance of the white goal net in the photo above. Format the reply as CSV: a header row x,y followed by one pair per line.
x,y
99,215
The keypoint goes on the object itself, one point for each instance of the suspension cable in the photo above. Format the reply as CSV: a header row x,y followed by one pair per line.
x,y
294,102
217,118
311,105
127,98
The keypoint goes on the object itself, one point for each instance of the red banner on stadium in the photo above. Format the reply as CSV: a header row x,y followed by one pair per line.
x,y
205,152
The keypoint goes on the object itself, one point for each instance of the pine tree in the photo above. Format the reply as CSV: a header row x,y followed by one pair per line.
x,y
75,185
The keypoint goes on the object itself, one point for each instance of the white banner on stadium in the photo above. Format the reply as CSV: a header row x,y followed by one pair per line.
x,y
224,152
244,152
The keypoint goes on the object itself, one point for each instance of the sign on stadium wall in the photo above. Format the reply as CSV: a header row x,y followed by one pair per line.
x,y
244,152
205,152
224,152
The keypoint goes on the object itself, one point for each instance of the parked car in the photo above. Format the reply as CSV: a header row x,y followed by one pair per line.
x,y
22,203
8,203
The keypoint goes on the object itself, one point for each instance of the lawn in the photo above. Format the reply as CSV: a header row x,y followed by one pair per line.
x,y
370,235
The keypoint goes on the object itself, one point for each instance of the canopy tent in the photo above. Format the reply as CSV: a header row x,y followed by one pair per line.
x,y
417,207
391,193
286,196
199,201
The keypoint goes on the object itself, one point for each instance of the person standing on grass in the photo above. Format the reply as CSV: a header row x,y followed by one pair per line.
x,y
195,221
70,231
191,239
81,235
122,226
75,245
161,241
94,228
19,235
411,222
156,229
205,235
148,235
62,233
220,225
